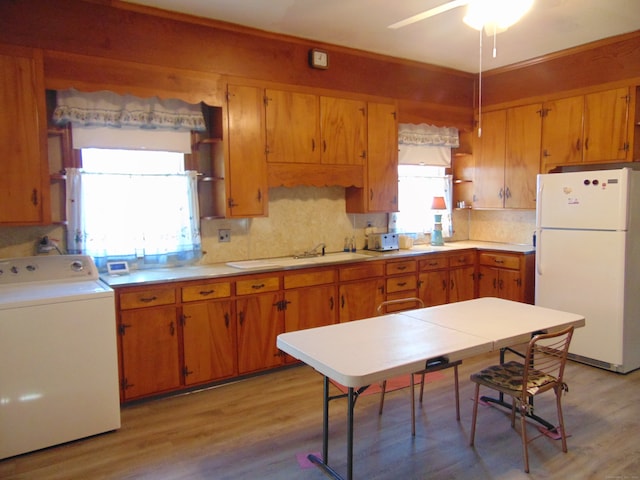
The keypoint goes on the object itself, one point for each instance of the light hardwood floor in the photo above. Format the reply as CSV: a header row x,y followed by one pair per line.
x,y
253,429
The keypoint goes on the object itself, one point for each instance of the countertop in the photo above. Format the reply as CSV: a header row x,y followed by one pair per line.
x,y
195,272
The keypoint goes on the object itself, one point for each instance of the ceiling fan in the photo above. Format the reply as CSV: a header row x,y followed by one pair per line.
x,y
494,16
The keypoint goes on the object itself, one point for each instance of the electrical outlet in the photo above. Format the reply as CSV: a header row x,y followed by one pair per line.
x,y
224,235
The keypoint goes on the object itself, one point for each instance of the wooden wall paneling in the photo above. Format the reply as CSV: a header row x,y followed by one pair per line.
x,y
597,63
117,31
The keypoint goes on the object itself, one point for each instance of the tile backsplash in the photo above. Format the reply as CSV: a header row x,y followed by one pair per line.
x,y
300,218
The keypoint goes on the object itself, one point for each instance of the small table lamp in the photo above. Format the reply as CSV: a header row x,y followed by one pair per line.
x,y
436,234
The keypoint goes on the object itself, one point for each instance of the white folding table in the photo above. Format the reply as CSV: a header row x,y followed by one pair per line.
x,y
359,353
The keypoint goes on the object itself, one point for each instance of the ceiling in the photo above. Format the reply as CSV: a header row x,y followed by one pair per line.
x,y
444,40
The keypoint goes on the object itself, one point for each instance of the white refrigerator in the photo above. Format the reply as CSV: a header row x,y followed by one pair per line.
x,y
588,261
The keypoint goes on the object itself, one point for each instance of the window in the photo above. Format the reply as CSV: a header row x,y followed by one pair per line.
x,y
418,184
134,205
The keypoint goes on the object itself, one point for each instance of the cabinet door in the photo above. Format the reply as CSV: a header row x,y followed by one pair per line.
x,y
461,284
209,336
489,170
487,281
259,324
605,126
292,121
360,299
310,307
246,180
524,130
150,353
382,160
510,285
343,126
562,132
24,172
433,287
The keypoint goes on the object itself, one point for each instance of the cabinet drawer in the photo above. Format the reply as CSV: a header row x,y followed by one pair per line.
x,y
407,266
401,284
462,259
147,298
364,270
257,285
434,262
500,260
309,279
206,291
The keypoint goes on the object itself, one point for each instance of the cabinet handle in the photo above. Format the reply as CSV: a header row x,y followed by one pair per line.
x,y
381,289
34,197
507,193
226,319
257,286
313,144
324,146
241,318
371,194
363,154
500,193
586,144
433,264
444,285
495,283
498,260
401,284
232,203
331,303
420,282
259,195
148,299
453,285
123,328
341,301
183,319
172,329
401,267
501,284
204,293
186,372
545,153
578,145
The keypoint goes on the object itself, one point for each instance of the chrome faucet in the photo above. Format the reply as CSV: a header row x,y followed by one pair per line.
x,y
313,252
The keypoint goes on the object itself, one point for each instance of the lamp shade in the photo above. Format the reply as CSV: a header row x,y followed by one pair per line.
x,y
438,204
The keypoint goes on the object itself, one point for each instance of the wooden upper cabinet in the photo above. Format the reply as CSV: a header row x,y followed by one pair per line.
x,y
562,132
24,173
382,161
490,161
509,158
343,125
605,126
292,125
522,165
246,173
588,128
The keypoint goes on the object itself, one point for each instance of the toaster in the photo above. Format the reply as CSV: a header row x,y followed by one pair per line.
x,y
381,242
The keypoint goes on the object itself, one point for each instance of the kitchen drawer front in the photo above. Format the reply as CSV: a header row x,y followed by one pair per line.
x,y
257,285
434,262
395,268
309,279
500,260
462,259
358,272
147,298
401,284
206,291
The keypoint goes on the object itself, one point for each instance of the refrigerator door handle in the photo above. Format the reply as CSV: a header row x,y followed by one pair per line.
x,y
539,252
539,203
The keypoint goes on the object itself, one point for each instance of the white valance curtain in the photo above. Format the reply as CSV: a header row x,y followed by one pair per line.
x,y
108,109
426,144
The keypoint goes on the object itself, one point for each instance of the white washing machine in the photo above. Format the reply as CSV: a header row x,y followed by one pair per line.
x,y
58,354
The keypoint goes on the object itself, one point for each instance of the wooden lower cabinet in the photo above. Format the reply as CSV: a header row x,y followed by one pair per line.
x,y
361,290
150,351
209,338
506,275
260,321
447,278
